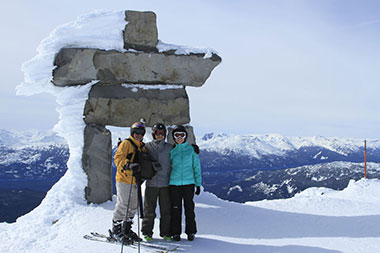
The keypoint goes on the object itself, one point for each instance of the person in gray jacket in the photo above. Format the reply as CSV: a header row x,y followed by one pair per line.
x,y
158,186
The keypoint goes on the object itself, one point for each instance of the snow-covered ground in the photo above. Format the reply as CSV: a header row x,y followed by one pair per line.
x,y
345,221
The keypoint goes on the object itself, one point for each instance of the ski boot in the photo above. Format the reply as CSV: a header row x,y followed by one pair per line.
x,y
116,234
190,237
127,229
166,237
148,238
176,238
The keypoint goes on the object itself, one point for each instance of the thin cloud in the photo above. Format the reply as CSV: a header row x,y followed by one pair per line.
x,y
365,23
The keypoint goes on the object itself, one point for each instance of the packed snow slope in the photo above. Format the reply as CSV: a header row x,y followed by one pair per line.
x,y
316,220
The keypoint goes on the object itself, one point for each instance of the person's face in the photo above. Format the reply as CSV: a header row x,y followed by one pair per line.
x,y
138,137
179,140
179,137
159,135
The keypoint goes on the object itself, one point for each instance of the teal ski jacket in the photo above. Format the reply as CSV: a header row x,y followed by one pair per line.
x,y
186,167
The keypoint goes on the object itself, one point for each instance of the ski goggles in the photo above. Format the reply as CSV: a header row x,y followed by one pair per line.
x,y
160,132
179,135
139,131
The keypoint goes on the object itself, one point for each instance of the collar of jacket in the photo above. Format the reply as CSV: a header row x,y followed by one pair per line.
x,y
138,143
182,145
157,144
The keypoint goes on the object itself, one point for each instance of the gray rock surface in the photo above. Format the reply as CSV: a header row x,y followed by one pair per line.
x,y
141,31
97,163
119,106
76,66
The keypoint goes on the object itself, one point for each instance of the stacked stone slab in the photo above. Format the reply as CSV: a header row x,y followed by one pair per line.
x,y
97,164
138,83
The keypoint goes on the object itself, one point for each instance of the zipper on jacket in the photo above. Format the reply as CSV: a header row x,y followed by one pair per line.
x,y
182,166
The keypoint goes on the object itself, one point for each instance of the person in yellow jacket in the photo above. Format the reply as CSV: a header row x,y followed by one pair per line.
x,y
126,188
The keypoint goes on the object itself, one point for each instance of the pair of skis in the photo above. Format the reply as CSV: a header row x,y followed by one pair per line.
x,y
155,247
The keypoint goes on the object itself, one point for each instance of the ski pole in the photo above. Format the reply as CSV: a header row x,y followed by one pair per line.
x,y
126,213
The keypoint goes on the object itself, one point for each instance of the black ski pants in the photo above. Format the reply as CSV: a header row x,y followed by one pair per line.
x,y
185,194
150,203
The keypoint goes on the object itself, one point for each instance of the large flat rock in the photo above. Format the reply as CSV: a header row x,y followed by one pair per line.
x,y
119,106
76,66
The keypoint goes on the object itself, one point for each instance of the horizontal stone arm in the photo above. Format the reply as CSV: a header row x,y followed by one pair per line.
x,y
77,66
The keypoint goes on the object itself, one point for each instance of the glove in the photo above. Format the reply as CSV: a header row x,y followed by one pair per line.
x,y
198,191
135,167
196,148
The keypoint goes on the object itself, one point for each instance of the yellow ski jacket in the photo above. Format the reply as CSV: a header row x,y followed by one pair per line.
x,y
125,150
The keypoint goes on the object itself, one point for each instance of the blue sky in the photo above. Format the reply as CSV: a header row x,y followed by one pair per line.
x,y
296,68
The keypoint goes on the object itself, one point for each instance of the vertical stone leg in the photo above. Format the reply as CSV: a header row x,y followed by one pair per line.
x,y
97,163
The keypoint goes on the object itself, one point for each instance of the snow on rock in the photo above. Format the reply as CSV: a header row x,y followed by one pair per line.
x,y
183,50
100,29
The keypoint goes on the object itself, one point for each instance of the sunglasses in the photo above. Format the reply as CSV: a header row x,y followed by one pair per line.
x,y
159,132
179,135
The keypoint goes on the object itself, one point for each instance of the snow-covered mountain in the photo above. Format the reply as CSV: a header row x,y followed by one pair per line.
x,y
285,183
31,162
255,167
235,167
29,138
258,146
32,155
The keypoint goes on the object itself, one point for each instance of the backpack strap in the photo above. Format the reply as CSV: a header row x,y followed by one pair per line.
x,y
129,156
136,148
133,144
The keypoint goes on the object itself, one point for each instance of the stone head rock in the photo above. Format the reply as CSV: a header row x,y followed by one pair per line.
x,y
140,33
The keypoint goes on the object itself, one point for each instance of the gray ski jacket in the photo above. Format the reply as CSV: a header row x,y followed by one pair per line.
x,y
160,151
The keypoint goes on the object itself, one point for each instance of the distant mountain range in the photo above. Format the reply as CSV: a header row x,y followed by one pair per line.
x,y
234,167
255,167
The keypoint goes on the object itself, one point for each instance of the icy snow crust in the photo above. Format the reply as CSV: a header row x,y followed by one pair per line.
x,y
63,217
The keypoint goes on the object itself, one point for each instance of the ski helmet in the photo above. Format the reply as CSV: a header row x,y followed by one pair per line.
x,y
179,129
138,128
158,127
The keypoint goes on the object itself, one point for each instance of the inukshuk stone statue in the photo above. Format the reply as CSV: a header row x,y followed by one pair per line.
x,y
140,82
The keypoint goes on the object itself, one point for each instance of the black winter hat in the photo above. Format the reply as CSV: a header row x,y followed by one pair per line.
x,y
158,127
179,128
138,127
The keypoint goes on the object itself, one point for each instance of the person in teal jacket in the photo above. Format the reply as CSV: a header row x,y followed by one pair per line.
x,y
185,177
